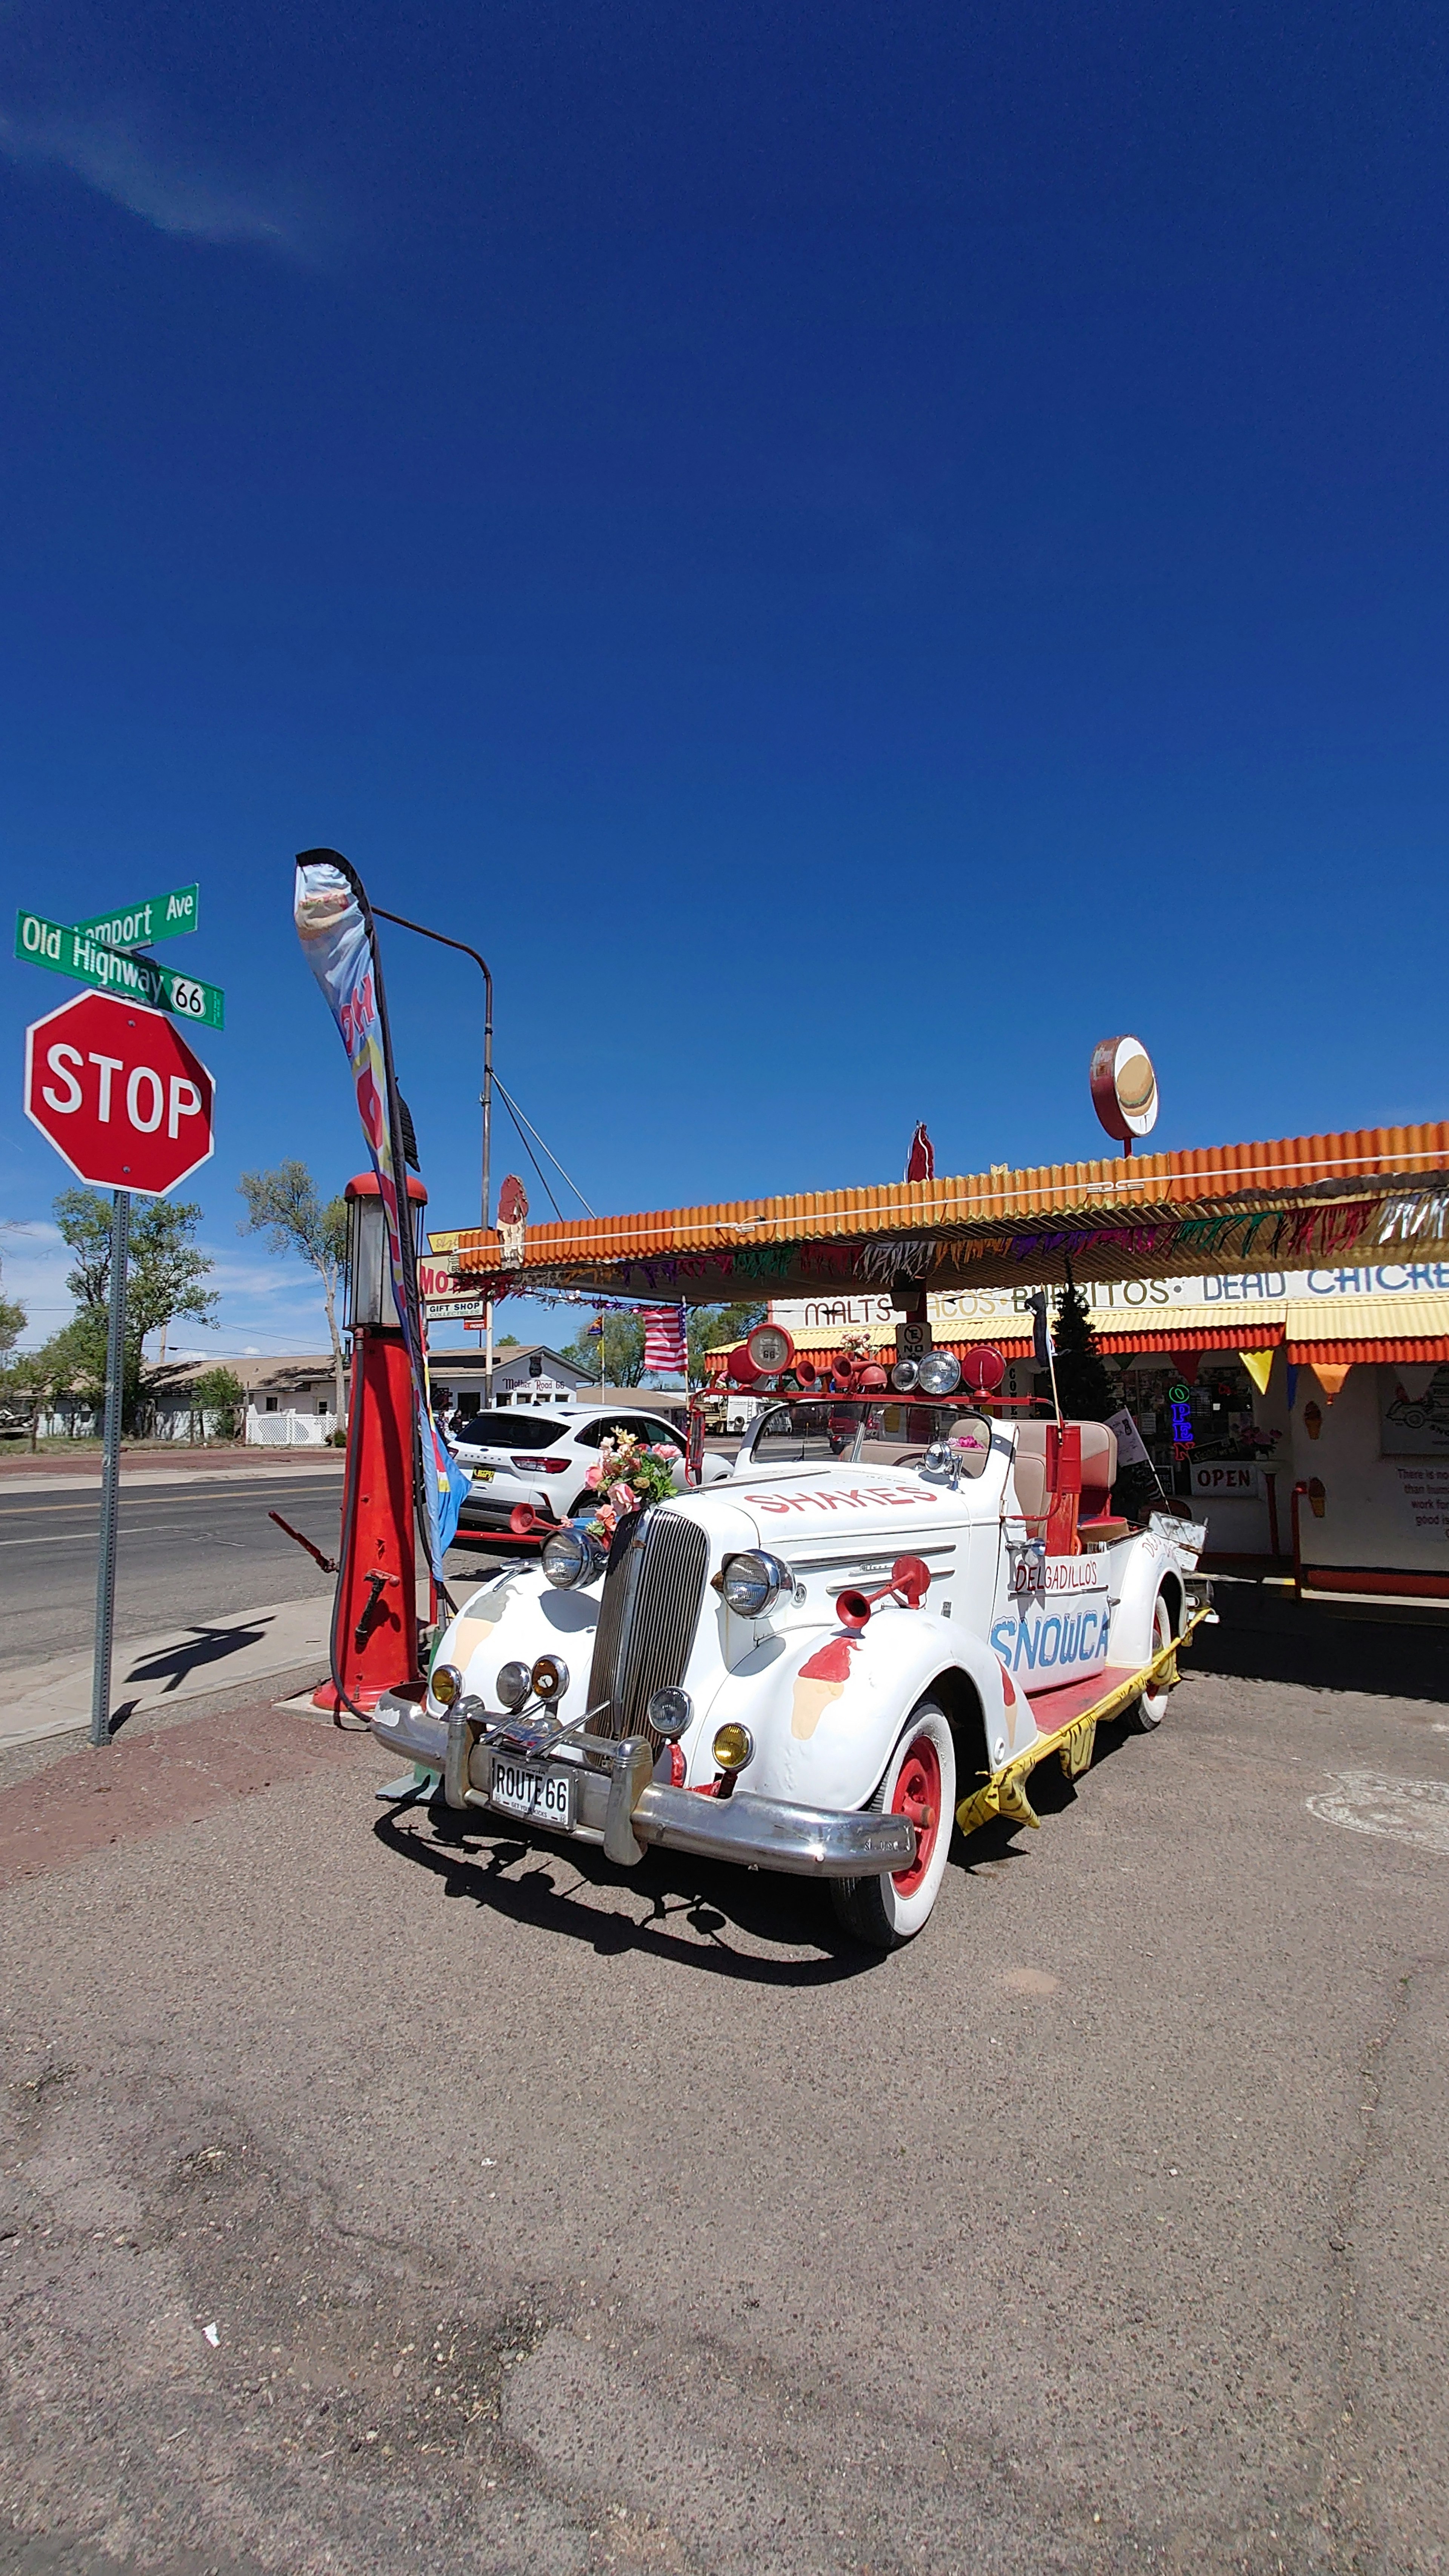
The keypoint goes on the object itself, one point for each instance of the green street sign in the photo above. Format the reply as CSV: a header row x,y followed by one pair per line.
x,y
90,961
137,925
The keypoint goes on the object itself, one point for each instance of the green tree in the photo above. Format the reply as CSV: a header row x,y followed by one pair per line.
x,y
622,1357
707,1326
286,1206
1086,1392
166,1278
220,1391
13,1320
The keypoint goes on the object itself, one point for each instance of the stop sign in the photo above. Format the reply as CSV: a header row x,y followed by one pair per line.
x,y
119,1093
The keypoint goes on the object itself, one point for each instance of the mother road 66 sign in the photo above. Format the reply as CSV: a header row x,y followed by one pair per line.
x,y
119,1093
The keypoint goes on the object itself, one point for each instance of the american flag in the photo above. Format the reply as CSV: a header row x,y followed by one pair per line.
x,y
664,1343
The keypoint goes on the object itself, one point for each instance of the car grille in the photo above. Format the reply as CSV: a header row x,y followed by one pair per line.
x,y
647,1620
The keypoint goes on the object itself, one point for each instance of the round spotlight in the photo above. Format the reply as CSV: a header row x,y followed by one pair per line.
x,y
571,1557
940,1373
904,1375
753,1582
733,1747
513,1685
550,1678
669,1713
445,1682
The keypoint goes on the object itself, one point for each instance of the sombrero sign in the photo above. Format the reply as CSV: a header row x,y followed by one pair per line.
x,y
1124,1088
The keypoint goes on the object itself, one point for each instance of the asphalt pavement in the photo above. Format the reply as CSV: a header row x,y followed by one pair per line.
x,y
193,1549
383,2192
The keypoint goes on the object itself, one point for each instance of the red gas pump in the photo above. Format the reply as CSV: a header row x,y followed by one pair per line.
x,y
374,1616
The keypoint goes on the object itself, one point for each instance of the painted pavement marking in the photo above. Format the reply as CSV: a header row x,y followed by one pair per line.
x,y
1408,1811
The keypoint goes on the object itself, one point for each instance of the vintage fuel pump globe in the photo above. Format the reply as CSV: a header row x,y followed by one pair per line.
x,y
1124,1088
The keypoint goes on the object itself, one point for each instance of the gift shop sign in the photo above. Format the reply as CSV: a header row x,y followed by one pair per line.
x,y
117,1091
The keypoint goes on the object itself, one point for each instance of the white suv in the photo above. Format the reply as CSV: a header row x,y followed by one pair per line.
x,y
531,1455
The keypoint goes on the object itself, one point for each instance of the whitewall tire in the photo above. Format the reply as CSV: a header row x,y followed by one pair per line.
x,y
919,1782
1151,1709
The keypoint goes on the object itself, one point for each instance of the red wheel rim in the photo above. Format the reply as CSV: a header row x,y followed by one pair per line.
x,y
917,1794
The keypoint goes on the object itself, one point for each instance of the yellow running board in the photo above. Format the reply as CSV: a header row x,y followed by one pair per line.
x,y
1004,1795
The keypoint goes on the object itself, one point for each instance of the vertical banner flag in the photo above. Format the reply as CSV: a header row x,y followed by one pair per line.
x,y
334,924
665,1347
921,1160
1043,1347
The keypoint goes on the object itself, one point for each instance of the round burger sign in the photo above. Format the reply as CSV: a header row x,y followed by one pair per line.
x,y
1124,1088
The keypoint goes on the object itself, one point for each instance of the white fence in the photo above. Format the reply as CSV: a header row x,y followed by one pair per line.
x,y
288,1430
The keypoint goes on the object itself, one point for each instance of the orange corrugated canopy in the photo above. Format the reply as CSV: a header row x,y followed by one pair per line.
x,y
1370,1194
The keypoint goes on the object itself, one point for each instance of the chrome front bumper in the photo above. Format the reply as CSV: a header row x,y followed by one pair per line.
x,y
619,1804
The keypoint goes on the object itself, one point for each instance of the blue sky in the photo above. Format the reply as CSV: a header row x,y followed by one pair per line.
x,y
853,550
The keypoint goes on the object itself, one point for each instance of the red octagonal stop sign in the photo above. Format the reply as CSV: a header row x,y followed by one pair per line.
x,y
119,1093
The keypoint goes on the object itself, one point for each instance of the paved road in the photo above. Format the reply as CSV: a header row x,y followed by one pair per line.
x,y
554,2218
190,1551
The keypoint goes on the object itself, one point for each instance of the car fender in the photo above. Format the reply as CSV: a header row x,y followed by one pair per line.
x,y
825,1706
1151,1562
517,1619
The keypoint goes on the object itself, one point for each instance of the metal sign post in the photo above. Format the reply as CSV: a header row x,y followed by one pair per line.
x,y
111,1470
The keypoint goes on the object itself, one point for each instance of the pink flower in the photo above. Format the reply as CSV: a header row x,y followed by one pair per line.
x,y
662,1449
623,1497
607,1520
595,1477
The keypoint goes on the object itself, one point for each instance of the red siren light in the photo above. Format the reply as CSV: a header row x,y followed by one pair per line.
x,y
983,1369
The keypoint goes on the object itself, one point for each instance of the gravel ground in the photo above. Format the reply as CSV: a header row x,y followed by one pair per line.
x,y
377,2192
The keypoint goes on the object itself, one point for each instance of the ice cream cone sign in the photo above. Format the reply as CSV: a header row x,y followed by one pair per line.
x,y
821,1679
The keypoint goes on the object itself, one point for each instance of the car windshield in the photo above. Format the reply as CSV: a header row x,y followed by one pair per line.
x,y
522,1430
847,1428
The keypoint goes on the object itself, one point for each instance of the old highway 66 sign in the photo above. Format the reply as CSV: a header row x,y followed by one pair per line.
x,y
119,1094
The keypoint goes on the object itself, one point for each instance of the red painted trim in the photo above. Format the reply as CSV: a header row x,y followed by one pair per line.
x,y
1055,1709
1374,1578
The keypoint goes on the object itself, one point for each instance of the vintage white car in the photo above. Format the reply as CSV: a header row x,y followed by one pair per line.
x,y
884,1618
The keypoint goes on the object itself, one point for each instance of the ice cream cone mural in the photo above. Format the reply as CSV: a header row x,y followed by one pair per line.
x,y
820,1680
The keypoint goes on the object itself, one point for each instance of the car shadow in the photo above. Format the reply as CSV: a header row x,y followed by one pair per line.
x,y
1051,1794
710,1898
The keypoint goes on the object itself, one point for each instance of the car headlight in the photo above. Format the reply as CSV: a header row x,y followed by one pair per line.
x,y
513,1685
733,1747
571,1557
904,1375
752,1582
550,1678
669,1713
445,1682
939,1373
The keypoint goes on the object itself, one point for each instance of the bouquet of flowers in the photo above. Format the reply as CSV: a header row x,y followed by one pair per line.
x,y
629,1475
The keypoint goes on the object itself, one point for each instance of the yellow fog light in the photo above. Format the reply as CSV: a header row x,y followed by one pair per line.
x,y
733,1747
445,1682
550,1678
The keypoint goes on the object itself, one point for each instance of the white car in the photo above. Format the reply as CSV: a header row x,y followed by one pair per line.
x,y
527,1454
884,1618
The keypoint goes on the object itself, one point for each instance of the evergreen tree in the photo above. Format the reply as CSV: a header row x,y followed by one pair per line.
x,y
1083,1385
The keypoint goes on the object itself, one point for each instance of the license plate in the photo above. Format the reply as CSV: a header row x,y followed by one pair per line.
x,y
483,1475
540,1793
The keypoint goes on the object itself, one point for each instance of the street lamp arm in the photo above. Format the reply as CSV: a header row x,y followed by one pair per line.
x,y
443,941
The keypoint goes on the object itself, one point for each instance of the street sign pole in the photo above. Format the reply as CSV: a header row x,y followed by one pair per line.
x,y
111,1471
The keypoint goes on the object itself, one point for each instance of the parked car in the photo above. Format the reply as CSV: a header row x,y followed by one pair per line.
x,y
520,1454
815,1664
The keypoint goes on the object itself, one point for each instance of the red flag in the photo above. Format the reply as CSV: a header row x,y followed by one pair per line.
x,y
921,1165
